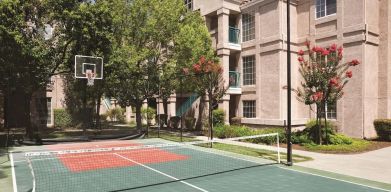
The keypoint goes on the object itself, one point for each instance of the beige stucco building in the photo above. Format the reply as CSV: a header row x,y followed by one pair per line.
x,y
250,38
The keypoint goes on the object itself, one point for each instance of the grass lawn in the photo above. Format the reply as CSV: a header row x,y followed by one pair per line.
x,y
261,153
358,146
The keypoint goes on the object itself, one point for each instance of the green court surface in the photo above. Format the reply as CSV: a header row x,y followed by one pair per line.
x,y
163,168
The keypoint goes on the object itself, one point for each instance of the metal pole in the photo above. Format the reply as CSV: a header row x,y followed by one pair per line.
x,y
181,109
289,128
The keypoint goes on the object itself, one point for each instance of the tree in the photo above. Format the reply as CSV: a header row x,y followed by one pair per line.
x,y
324,77
207,77
143,40
30,52
191,43
88,28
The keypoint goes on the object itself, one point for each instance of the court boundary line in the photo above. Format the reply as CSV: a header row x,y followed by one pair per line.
x,y
341,180
157,171
332,178
13,173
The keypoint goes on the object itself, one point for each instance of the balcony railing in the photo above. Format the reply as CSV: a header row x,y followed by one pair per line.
x,y
234,35
234,78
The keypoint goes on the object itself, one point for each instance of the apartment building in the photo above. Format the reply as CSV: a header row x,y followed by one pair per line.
x,y
250,38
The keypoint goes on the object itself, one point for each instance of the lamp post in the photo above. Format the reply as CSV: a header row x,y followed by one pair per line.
x,y
289,126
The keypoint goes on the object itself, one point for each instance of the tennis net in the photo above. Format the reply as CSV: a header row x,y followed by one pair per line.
x,y
146,163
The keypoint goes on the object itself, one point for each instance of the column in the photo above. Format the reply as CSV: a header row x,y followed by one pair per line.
x,y
223,27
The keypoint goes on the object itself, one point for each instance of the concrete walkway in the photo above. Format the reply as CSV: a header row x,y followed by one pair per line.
x,y
373,165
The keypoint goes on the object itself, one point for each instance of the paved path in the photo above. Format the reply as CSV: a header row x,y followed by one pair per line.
x,y
373,165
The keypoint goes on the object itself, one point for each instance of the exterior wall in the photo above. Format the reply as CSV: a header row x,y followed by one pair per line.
x,y
356,27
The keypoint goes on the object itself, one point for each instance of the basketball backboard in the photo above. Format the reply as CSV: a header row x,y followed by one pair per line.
x,y
88,63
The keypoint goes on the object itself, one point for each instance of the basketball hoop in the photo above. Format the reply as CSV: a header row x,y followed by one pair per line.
x,y
90,77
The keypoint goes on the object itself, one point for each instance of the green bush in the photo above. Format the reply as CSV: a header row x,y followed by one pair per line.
x,y
271,139
148,114
218,116
383,128
62,118
190,122
116,114
311,130
339,139
174,122
357,145
227,131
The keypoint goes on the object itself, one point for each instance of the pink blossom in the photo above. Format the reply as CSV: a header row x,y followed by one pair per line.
x,y
301,52
354,62
349,74
333,47
325,52
301,59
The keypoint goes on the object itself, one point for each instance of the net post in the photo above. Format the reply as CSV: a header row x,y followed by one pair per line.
x,y
278,149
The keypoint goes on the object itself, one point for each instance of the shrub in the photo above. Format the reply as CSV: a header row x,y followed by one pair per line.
x,y
271,139
339,139
174,122
218,116
227,131
62,118
383,128
116,114
311,130
148,114
190,122
162,118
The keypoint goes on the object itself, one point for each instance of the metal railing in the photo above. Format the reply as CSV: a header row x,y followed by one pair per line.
x,y
234,79
234,35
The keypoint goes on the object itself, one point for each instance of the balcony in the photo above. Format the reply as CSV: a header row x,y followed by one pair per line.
x,y
234,39
234,83
234,35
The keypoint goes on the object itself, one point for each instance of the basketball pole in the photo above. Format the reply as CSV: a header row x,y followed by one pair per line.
x,y
289,127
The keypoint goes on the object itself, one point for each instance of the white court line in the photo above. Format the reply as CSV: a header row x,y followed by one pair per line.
x,y
13,173
336,179
157,171
303,172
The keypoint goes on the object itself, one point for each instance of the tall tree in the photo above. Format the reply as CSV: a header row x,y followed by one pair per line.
x,y
145,30
29,53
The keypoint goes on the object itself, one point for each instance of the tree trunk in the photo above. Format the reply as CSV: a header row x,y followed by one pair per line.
x,y
165,109
30,128
97,119
138,116
325,124
200,113
318,123
210,109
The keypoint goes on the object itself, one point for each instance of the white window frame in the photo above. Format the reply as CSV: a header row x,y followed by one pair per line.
x,y
253,109
331,114
325,8
248,29
189,4
246,60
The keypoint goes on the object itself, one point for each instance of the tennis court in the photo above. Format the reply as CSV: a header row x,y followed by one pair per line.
x,y
159,165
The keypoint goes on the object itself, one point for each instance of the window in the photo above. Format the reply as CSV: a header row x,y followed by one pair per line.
x,y
249,70
248,26
331,111
325,7
249,109
189,4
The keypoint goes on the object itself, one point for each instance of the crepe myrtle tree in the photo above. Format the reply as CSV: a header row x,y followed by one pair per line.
x,y
206,76
324,78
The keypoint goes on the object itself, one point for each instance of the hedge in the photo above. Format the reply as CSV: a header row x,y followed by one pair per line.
x,y
62,118
218,116
383,128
